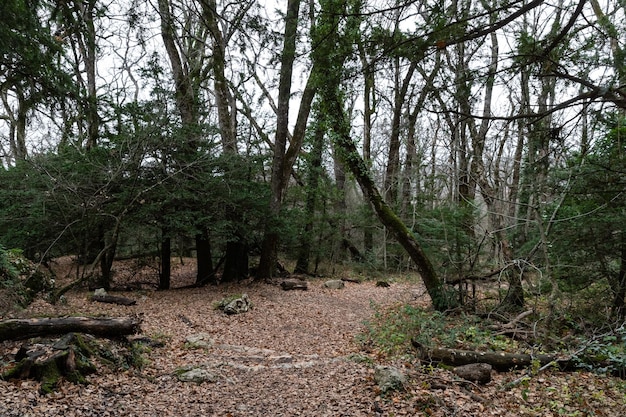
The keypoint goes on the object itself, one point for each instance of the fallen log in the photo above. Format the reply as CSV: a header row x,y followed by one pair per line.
x,y
16,329
114,299
475,372
500,361
294,284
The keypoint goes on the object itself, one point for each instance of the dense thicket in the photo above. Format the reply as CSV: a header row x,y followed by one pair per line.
x,y
465,139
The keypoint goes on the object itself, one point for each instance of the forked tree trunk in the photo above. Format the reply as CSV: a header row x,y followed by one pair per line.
x,y
269,254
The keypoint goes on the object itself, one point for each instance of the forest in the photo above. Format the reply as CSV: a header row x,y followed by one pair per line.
x,y
475,147
457,139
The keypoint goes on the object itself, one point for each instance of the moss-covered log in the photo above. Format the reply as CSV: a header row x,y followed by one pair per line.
x,y
501,361
16,329
114,299
294,284
72,357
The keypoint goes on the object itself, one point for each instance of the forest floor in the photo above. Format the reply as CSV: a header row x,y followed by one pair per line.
x,y
296,353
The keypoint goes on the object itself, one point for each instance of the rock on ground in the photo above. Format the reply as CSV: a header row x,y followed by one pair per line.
x,y
334,284
389,378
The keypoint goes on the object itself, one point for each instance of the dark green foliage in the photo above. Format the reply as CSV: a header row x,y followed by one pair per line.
x,y
28,53
588,238
20,280
445,235
139,181
605,353
8,271
12,292
69,199
24,221
392,330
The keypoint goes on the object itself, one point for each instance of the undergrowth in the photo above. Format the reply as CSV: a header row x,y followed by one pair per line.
x,y
390,331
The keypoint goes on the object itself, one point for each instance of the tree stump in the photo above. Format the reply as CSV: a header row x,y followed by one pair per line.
x,y
73,357
68,357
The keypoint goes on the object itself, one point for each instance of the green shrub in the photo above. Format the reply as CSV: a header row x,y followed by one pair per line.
x,y
391,331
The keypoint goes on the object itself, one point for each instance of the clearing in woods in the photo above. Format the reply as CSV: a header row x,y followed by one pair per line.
x,y
294,354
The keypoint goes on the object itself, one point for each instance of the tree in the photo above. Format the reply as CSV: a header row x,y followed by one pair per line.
x,y
189,73
29,72
333,48
76,20
312,192
220,30
283,157
588,238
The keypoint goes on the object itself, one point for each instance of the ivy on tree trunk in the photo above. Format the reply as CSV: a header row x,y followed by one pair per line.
x,y
440,298
332,50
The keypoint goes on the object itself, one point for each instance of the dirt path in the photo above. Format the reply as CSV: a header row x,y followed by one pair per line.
x,y
294,354
289,356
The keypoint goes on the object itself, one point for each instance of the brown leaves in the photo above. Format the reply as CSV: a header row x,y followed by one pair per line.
x,y
288,356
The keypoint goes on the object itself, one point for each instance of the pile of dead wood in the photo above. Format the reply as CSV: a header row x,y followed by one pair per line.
x,y
68,347
477,365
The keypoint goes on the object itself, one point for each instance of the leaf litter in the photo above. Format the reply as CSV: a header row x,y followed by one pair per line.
x,y
294,354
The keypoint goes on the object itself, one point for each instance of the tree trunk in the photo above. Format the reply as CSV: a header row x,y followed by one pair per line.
x,y
166,263
20,152
236,261
619,287
223,96
16,329
79,16
185,81
339,211
205,274
281,164
391,185
369,106
106,261
106,265
315,165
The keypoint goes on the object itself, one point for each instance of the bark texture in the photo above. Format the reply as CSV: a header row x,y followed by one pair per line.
x,y
499,360
114,299
16,329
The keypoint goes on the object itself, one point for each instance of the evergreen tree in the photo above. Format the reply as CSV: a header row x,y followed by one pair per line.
x,y
589,237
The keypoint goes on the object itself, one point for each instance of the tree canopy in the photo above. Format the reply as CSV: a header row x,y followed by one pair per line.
x,y
456,138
